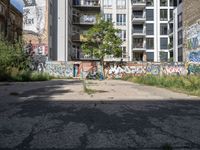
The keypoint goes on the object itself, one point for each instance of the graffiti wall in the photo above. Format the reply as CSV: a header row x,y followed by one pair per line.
x,y
193,36
194,56
90,70
194,69
113,71
59,69
35,26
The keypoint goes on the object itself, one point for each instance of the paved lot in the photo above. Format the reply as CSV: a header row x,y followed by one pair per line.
x,y
120,115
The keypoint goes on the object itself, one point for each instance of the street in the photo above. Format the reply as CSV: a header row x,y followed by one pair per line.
x,y
59,114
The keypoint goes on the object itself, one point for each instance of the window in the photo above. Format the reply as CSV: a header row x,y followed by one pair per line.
x,y
122,35
138,28
138,43
108,17
121,4
150,43
180,37
163,43
150,56
180,22
173,2
107,3
150,29
163,29
180,54
149,2
163,56
124,54
138,14
149,15
163,15
121,19
163,2
171,13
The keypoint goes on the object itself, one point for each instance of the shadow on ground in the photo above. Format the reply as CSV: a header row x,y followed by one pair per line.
x,y
41,123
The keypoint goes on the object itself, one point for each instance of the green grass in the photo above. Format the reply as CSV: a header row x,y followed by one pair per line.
x,y
25,76
186,84
88,90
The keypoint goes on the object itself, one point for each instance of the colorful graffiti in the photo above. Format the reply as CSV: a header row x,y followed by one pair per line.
x,y
153,69
194,69
174,70
62,70
118,71
194,57
93,70
193,36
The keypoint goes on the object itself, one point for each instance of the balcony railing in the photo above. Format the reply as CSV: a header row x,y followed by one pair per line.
x,y
85,20
139,4
86,3
139,1
139,45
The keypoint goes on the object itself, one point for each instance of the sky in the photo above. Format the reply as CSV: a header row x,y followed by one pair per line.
x,y
18,4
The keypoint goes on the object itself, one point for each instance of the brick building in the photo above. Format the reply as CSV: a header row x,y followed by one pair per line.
x,y
191,24
11,20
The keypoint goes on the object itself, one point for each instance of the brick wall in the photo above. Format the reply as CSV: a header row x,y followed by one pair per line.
x,y
191,24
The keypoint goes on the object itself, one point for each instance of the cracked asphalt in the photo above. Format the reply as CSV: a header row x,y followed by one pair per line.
x,y
121,115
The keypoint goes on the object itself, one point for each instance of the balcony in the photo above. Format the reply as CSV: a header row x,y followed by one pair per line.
x,y
138,19
139,46
138,4
139,33
84,20
78,38
87,5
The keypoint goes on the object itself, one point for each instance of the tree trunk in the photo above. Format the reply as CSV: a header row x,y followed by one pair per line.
x,y
102,67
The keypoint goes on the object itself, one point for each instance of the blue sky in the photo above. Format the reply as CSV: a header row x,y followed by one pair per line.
x,y
18,4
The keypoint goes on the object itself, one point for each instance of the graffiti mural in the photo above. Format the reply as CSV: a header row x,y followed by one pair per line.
x,y
194,57
193,36
119,71
194,69
174,70
35,25
153,69
59,69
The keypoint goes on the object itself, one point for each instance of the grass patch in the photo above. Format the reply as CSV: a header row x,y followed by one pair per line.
x,y
186,84
25,76
90,91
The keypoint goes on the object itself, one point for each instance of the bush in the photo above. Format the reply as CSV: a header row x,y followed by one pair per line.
x,y
12,58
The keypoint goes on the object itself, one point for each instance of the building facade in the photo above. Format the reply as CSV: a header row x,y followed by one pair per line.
x,y
191,25
144,27
11,20
37,24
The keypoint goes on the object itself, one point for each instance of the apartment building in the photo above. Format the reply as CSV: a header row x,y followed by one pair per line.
x,y
144,27
176,33
10,22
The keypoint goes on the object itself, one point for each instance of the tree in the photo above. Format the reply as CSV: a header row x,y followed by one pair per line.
x,y
101,40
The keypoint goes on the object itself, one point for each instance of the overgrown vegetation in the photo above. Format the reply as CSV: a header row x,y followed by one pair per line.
x,y
14,64
187,84
86,89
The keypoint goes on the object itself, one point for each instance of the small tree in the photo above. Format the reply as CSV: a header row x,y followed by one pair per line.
x,y
102,40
